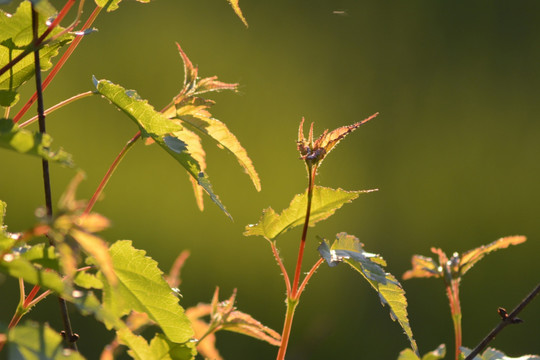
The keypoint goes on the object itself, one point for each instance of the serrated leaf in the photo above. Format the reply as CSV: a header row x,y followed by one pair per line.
x,y
347,248
163,131
422,267
160,348
436,354
324,203
494,354
225,138
471,257
238,11
141,287
96,247
88,303
15,36
32,341
111,5
87,280
35,144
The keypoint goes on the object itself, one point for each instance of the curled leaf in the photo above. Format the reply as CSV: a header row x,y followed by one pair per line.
x,y
238,11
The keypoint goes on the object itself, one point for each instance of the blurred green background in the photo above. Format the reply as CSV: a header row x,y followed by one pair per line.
x,y
454,153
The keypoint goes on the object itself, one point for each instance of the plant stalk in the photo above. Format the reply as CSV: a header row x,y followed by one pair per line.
x,y
110,171
291,307
452,290
45,167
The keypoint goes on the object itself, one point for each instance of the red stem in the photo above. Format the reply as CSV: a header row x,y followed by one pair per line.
x,y
110,171
282,267
58,65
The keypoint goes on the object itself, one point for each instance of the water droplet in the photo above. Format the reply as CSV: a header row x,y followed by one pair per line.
x,y
77,293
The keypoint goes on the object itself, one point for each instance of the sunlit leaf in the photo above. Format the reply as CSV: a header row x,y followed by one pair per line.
x,y
163,131
471,257
314,152
31,341
225,138
347,248
7,240
16,34
436,354
99,250
141,287
494,354
324,203
422,267
35,144
160,348
88,303
238,11
111,5
87,280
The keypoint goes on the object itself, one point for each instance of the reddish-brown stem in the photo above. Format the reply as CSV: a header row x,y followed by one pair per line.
x,y
282,267
452,290
31,296
58,65
311,183
110,171
309,275
58,106
40,40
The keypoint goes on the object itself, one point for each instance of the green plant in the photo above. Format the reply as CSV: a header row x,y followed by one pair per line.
x,y
123,288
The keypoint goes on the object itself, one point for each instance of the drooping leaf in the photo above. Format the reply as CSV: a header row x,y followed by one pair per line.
x,y
347,248
35,144
238,11
16,34
471,257
111,5
32,341
314,152
324,203
163,131
141,287
437,354
494,354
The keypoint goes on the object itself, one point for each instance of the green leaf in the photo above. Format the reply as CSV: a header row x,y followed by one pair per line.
x,y
494,354
42,255
33,341
226,139
14,265
324,203
347,248
87,281
238,11
163,131
471,257
15,36
141,287
437,354
88,303
160,347
7,240
26,142
111,5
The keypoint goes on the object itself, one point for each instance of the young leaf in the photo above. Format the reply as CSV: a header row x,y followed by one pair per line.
x,y
422,267
141,287
33,341
163,131
16,34
347,248
238,11
314,152
26,142
494,354
111,5
437,354
7,240
324,203
471,257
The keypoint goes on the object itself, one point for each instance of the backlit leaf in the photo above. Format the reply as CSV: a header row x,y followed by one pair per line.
x,y
16,34
141,287
7,240
347,248
436,354
35,144
422,267
111,5
324,203
494,354
471,257
160,348
95,246
32,341
238,11
163,131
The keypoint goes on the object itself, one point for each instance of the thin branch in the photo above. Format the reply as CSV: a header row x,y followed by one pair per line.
x,y
506,321
45,167
309,275
282,267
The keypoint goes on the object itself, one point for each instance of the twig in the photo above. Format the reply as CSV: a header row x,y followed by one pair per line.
x,y
45,167
506,321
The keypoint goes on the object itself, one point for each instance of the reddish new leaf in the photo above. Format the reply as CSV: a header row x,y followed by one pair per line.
x,y
471,257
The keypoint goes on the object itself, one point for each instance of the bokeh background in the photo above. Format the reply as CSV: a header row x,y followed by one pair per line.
x,y
454,153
